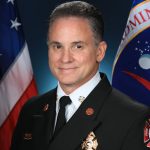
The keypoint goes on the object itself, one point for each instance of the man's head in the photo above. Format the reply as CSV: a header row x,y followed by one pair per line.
x,y
83,10
75,49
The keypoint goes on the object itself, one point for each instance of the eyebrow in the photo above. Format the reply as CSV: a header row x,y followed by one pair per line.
x,y
73,43
78,42
53,42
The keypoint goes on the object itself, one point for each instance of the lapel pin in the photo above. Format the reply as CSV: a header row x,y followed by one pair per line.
x,y
81,99
46,107
27,136
89,111
90,142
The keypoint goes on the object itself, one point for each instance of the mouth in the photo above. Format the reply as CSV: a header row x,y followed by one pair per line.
x,y
68,69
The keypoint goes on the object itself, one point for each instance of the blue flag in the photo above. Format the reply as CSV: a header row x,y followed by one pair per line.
x,y
131,70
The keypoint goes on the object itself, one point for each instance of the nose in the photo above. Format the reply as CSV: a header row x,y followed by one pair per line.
x,y
66,56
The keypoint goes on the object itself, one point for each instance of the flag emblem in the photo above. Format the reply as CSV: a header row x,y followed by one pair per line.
x,y
131,70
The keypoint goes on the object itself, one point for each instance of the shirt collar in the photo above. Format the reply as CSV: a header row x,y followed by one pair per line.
x,y
80,93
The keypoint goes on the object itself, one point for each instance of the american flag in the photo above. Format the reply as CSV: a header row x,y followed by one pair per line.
x,y
131,72
17,84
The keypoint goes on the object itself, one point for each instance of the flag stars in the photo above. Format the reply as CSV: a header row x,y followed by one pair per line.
x,y
146,42
1,54
142,47
11,1
138,42
15,24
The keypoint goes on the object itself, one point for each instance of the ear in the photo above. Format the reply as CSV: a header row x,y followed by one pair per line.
x,y
101,49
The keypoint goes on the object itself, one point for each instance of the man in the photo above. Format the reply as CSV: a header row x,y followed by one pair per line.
x,y
97,117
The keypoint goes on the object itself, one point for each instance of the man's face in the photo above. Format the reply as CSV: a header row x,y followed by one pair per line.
x,y
73,56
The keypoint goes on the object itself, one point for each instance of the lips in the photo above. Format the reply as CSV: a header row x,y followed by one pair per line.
x,y
67,70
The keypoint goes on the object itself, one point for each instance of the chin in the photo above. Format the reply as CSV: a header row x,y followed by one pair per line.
x,y
66,78
66,82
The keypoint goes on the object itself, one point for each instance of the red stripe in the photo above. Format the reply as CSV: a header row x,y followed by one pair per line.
x,y
141,80
9,124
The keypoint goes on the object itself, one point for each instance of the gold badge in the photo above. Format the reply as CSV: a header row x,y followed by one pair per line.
x,y
90,143
147,133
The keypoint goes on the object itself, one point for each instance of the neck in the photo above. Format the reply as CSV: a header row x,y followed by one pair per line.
x,y
69,88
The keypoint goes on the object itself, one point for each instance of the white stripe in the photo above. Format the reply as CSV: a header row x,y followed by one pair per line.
x,y
15,83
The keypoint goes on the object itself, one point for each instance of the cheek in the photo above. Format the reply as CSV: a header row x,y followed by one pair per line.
x,y
89,59
52,58
51,61
49,56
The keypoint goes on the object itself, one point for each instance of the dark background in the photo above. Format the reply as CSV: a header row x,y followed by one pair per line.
x,y
34,15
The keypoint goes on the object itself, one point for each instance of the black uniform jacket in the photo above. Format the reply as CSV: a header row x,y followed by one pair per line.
x,y
106,120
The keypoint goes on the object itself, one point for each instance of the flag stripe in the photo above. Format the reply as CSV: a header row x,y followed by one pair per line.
x,y
16,76
141,80
15,83
6,129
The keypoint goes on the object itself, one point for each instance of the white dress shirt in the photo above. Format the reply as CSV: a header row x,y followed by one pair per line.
x,y
77,96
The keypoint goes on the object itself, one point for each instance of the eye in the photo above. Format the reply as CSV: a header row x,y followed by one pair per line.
x,y
78,46
56,46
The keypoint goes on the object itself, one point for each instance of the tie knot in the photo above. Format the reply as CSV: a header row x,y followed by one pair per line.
x,y
64,101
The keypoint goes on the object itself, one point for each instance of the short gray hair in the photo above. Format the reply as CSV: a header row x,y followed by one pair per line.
x,y
83,10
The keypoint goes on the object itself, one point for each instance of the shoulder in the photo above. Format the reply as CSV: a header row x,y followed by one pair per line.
x,y
120,114
117,102
123,106
123,119
124,101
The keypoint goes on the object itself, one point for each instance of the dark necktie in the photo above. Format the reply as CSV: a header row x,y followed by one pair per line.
x,y
61,119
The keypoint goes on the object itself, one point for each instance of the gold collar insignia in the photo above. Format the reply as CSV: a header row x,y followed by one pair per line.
x,y
90,143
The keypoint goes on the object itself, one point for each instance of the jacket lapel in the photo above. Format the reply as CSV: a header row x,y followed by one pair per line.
x,y
43,120
50,119
86,119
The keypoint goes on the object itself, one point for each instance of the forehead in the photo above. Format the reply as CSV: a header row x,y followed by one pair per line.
x,y
70,21
70,18
70,26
